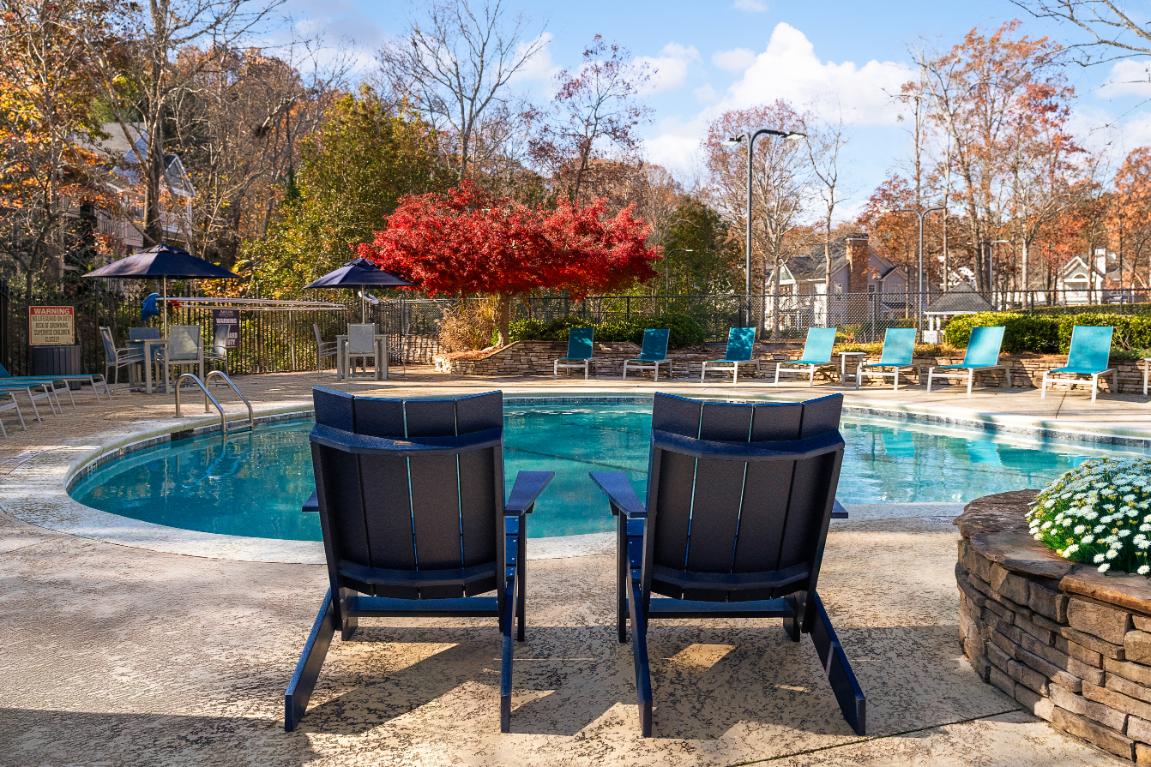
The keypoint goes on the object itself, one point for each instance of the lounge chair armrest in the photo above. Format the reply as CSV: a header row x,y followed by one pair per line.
x,y
312,504
525,491
620,493
838,511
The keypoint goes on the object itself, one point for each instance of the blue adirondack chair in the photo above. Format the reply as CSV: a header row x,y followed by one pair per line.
x,y
896,357
740,351
1090,356
580,350
816,353
410,495
652,354
982,354
739,499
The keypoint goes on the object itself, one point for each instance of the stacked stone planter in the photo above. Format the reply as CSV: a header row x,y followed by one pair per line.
x,y
1068,643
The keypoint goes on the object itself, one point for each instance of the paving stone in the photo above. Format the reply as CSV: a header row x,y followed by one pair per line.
x,y
1133,671
1008,585
1137,646
1077,704
1081,653
1047,601
1117,700
1127,687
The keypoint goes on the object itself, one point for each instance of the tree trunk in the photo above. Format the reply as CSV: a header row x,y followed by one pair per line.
x,y
503,319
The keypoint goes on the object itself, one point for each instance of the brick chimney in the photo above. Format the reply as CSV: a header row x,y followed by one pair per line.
x,y
858,263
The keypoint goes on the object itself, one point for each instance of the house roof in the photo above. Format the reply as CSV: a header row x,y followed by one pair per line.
x,y
962,299
810,265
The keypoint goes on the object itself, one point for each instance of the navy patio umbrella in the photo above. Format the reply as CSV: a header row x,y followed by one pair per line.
x,y
359,273
162,262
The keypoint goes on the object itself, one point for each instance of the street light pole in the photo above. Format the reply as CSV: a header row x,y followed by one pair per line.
x,y
921,215
750,139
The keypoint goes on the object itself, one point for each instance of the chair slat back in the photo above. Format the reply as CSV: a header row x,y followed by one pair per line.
x,y
819,344
740,344
420,512
898,347
109,345
143,333
362,338
983,346
580,343
655,344
1090,348
318,334
184,342
715,515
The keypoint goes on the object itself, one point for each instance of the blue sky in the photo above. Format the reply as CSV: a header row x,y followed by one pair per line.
x,y
837,59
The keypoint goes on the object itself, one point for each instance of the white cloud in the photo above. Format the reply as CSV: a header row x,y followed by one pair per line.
x,y
735,60
539,67
669,69
705,94
789,69
1127,78
750,6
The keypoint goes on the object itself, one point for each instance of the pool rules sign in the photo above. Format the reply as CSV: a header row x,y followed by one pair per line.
x,y
51,325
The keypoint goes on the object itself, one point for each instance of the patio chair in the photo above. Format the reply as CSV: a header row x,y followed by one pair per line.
x,y
896,357
10,404
1090,356
95,380
739,499
185,349
652,354
116,358
324,349
740,351
816,353
218,353
361,347
411,501
35,390
579,354
982,354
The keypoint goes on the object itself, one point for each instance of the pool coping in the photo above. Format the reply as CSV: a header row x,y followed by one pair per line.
x,y
36,491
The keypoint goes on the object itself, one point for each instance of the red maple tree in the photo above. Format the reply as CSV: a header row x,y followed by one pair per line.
x,y
466,241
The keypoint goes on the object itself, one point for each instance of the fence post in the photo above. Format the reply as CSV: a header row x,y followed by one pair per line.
x,y
5,336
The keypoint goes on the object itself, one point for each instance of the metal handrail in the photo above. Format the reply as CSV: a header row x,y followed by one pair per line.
x,y
235,390
207,397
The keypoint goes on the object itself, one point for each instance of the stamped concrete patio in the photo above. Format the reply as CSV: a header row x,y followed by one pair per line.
x,y
121,654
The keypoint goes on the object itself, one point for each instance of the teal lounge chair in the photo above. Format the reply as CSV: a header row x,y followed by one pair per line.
x,y
982,354
653,354
898,349
1090,355
580,350
740,351
816,353
95,380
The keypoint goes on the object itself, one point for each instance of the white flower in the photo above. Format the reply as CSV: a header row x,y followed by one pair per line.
x,y
1098,558
1143,569
1088,539
1104,567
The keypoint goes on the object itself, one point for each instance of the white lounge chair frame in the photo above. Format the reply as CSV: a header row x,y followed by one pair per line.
x,y
1070,379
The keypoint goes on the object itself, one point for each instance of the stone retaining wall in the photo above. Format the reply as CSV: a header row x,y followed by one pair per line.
x,y
528,358
1068,643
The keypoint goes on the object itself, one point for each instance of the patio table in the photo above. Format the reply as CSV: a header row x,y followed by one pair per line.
x,y
381,357
843,363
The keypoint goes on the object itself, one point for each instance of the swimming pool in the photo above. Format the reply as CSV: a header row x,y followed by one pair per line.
x,y
252,483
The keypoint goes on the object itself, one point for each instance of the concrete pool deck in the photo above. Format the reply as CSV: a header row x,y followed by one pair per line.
x,y
118,654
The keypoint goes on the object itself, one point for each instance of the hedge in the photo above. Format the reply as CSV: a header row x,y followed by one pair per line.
x,y
685,329
1051,333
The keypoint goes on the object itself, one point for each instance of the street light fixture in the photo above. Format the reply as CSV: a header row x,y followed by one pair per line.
x,y
921,214
750,139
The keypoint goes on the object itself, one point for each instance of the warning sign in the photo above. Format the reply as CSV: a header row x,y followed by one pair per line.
x,y
51,325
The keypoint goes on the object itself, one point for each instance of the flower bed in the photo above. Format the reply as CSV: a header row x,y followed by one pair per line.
x,y
1067,642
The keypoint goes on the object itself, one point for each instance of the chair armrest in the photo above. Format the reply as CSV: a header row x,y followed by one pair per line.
x,y
525,491
838,511
312,504
620,493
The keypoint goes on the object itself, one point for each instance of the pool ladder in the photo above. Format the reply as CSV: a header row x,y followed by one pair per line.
x,y
202,385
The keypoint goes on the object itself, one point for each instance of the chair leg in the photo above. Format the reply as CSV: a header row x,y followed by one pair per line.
x,y
639,655
702,372
1094,387
506,654
792,624
1043,391
308,668
621,573
348,623
735,374
810,376
896,379
849,695
522,580
970,381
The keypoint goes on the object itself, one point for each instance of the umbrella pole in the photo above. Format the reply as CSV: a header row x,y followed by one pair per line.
x,y
164,303
363,306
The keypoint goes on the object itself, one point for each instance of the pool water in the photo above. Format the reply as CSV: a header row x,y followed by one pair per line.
x,y
253,483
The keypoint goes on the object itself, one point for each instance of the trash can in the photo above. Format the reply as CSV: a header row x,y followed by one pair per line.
x,y
55,360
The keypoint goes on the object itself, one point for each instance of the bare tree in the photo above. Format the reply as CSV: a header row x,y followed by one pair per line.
x,y
455,71
1122,34
142,82
823,146
596,113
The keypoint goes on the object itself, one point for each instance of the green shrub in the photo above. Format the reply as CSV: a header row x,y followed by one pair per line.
x,y
685,329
